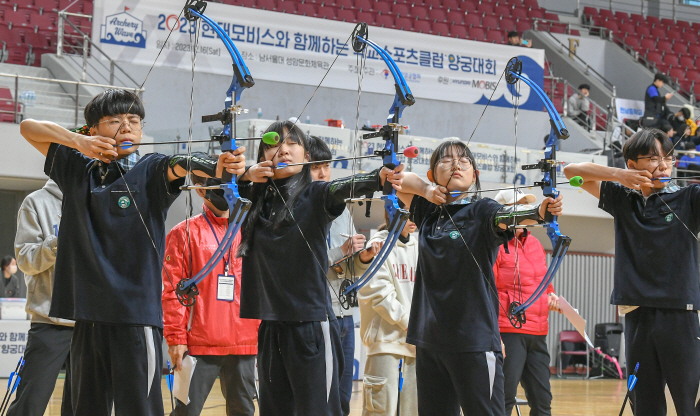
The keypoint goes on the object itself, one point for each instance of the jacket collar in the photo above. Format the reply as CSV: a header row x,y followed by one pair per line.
x,y
212,217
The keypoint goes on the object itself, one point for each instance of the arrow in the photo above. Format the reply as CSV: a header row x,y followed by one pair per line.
x,y
410,152
270,138
631,382
576,181
8,393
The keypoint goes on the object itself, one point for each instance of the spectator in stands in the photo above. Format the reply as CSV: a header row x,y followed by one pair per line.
x,y
9,286
48,342
655,110
690,119
514,39
579,105
527,358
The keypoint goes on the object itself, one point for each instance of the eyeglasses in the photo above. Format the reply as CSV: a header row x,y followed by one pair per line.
x,y
447,164
656,160
114,124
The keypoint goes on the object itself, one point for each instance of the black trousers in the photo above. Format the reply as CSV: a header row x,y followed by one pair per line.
x,y
527,362
116,365
666,344
47,350
237,377
292,367
448,381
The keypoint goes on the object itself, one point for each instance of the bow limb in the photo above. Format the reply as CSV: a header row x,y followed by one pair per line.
x,y
238,207
548,167
402,99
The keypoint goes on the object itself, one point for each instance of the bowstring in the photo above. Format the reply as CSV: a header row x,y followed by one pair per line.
x,y
515,93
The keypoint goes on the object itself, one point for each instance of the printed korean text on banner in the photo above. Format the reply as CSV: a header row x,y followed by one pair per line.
x,y
299,49
629,109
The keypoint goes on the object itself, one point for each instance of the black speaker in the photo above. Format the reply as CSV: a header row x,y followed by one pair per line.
x,y
609,338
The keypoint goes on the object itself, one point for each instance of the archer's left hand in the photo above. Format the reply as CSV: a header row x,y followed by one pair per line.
x,y
233,162
554,206
394,176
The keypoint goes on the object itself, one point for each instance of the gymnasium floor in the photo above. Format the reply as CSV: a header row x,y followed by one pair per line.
x,y
571,398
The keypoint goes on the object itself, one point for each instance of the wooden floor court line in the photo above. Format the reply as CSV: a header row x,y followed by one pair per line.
x,y
570,398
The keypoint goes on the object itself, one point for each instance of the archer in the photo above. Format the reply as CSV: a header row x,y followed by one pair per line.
x,y
285,262
108,269
454,312
656,268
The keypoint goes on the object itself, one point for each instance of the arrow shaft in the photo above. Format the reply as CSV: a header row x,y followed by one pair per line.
x,y
180,142
316,162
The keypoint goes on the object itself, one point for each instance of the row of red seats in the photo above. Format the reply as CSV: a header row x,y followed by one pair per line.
x,y
36,20
42,6
678,48
637,19
7,106
465,5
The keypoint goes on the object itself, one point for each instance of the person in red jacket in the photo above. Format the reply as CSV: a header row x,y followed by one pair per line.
x,y
526,356
212,331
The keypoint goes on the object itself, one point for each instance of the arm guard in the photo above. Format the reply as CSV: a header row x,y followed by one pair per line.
x,y
197,161
508,215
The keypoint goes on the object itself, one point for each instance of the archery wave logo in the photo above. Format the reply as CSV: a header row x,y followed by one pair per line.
x,y
532,102
123,29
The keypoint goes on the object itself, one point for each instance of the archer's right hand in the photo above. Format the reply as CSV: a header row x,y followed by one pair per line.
x,y
634,179
96,147
260,172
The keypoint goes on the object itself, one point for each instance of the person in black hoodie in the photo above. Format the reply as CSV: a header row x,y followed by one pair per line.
x,y
285,261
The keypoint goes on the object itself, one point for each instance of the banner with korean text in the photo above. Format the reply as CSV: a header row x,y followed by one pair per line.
x,y
298,49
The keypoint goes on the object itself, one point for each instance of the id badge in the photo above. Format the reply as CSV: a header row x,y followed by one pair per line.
x,y
226,288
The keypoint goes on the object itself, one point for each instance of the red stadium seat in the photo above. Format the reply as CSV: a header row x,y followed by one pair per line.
x,y
658,32
608,14
611,26
648,44
472,20
347,15
383,20
494,36
458,31
674,35
590,11
664,46
532,4
692,75
344,4
686,61
469,6
306,9
622,16
455,17
369,18
668,22
694,50
46,5
677,73
653,20
17,18
441,29
477,33
364,5
87,7
437,15
627,28
519,13
403,23
557,28
12,37
400,9
633,42
671,60
536,14
489,22
17,55
654,57
327,12
266,4
41,21
485,8
419,12
522,26
551,16
287,7
507,24
503,10
451,4
690,36
680,48
382,7
643,30
422,26
38,40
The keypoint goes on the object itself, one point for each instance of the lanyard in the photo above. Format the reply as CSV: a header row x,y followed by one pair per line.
x,y
226,262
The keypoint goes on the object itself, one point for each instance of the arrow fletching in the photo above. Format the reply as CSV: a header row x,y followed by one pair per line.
x,y
410,152
631,382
